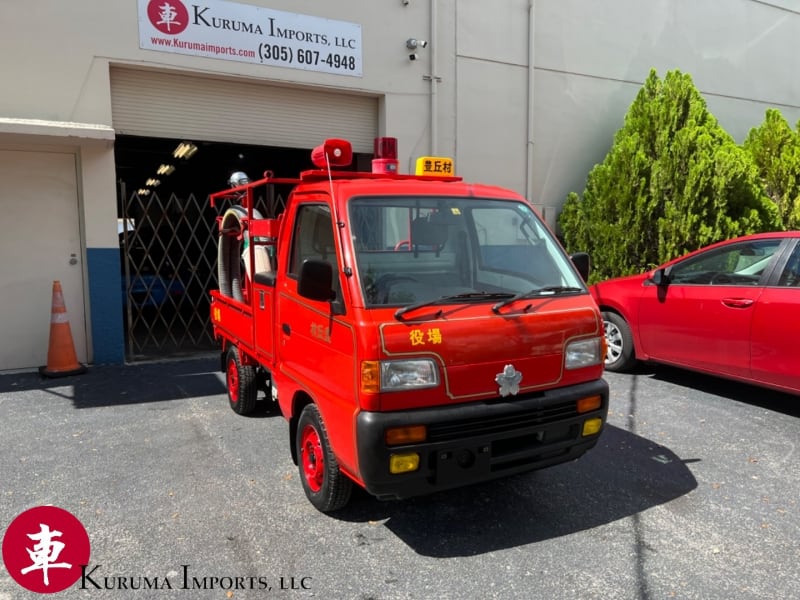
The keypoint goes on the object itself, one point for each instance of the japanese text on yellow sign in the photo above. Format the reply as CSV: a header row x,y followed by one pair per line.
x,y
437,166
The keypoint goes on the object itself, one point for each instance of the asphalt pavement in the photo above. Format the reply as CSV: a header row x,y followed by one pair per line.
x,y
692,492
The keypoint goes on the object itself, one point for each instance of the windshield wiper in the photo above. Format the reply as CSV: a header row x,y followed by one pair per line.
x,y
454,298
550,290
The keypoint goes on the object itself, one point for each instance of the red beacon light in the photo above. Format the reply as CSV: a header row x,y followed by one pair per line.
x,y
385,160
334,152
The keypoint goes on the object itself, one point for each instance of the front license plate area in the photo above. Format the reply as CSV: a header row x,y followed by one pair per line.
x,y
463,464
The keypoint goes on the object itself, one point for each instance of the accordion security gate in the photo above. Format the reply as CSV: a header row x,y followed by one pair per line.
x,y
168,254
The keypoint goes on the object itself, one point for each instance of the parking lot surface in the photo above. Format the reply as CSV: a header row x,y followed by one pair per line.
x,y
692,492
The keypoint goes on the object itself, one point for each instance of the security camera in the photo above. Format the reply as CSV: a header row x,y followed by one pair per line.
x,y
412,56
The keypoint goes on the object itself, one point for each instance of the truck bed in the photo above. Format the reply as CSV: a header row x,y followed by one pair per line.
x,y
233,321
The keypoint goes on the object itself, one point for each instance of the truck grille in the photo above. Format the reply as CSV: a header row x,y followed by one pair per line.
x,y
506,423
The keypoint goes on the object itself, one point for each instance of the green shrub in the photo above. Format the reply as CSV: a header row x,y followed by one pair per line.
x,y
672,182
775,149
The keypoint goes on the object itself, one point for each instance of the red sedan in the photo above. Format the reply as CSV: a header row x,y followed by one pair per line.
x,y
731,309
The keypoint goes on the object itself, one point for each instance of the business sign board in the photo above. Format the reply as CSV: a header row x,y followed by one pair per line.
x,y
252,34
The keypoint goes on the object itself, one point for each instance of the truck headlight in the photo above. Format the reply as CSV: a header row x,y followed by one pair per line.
x,y
408,374
583,353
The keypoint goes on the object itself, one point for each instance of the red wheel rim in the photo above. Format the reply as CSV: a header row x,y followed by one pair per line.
x,y
233,381
311,458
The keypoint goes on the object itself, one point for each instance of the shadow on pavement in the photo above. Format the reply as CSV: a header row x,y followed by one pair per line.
x,y
113,385
623,475
734,390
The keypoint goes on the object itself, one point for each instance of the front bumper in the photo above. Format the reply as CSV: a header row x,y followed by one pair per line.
x,y
479,441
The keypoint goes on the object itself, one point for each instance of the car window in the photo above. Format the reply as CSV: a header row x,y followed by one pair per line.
x,y
790,276
735,264
313,239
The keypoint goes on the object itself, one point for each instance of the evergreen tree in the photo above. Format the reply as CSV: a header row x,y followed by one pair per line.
x,y
673,181
775,149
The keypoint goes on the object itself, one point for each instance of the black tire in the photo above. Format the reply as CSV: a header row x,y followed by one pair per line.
x,y
326,487
242,383
619,355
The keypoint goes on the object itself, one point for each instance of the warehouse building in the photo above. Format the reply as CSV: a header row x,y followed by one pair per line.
x,y
119,117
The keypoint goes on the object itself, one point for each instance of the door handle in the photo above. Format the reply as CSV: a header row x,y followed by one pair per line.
x,y
286,329
737,302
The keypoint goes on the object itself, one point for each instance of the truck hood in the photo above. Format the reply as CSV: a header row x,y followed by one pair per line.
x,y
473,345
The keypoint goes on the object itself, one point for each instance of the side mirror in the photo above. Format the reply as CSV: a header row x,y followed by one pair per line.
x,y
582,263
660,277
316,280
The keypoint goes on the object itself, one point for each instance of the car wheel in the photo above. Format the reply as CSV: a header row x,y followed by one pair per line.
x,y
242,383
619,355
325,485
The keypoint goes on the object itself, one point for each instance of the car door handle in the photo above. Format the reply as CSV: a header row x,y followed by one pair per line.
x,y
737,302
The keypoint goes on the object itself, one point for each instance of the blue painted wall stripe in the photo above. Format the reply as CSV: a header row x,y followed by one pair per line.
x,y
105,283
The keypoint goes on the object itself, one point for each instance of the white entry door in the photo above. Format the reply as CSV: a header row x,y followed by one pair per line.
x,y
40,242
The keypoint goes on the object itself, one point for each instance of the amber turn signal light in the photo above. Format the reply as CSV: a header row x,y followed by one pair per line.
x,y
370,377
405,435
589,403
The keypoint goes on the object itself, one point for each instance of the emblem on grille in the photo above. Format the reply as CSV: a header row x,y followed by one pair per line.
x,y
509,380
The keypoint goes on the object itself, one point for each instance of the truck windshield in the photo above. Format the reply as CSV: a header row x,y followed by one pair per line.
x,y
412,250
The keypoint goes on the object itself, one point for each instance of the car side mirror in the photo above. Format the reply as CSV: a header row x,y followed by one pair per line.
x,y
660,277
582,263
316,280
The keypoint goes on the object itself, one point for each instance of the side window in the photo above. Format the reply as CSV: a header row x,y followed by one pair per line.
x,y
313,238
738,264
790,276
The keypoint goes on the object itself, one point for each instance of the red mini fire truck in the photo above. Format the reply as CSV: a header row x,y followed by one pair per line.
x,y
417,332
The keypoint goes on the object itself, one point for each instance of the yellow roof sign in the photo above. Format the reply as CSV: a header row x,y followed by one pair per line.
x,y
436,166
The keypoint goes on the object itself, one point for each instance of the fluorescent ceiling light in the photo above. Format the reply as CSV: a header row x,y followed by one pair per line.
x,y
185,150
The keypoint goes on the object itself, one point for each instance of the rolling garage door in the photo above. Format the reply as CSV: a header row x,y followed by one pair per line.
x,y
180,106
171,105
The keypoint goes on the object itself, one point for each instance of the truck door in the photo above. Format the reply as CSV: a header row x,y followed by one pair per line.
x,y
316,340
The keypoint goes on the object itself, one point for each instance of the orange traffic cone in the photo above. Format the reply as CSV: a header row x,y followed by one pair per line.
x,y
61,358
